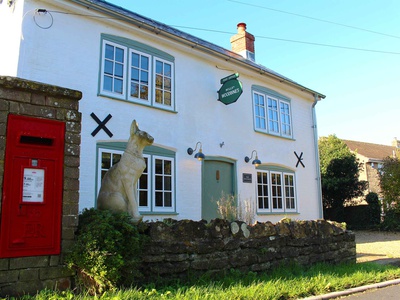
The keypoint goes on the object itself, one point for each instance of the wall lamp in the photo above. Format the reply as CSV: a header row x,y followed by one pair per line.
x,y
256,162
199,155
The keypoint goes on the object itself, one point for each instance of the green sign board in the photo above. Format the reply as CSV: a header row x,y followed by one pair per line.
x,y
230,90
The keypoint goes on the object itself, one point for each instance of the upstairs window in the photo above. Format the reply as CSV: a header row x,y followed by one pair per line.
x,y
272,112
137,73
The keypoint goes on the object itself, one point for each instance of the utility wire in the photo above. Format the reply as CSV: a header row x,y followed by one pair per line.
x,y
294,41
231,33
315,19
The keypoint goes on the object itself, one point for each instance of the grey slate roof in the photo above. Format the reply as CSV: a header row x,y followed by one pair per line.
x,y
122,13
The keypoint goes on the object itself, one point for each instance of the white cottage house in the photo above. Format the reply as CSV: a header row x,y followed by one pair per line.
x,y
131,67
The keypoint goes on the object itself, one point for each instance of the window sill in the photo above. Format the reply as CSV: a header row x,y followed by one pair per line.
x,y
154,213
277,213
290,138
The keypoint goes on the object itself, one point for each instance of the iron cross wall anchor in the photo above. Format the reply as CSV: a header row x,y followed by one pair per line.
x,y
299,159
102,124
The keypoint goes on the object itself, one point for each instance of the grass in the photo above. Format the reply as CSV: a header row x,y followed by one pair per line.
x,y
288,282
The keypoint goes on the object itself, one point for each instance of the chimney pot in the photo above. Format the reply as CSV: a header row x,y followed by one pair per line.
x,y
241,27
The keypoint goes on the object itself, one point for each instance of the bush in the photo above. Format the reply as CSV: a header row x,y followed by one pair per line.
x,y
391,221
106,252
374,208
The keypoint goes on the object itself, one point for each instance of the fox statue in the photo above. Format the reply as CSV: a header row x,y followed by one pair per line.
x,y
118,190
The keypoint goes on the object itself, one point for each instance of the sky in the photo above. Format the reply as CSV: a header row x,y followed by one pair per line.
x,y
346,50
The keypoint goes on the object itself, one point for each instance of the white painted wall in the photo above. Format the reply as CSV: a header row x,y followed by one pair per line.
x,y
68,54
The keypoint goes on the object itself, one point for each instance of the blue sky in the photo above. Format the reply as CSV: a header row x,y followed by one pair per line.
x,y
361,87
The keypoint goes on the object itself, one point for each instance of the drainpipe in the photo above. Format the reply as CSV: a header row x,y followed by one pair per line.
x,y
318,170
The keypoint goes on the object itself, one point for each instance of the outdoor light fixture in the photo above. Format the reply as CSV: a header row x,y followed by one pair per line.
x,y
199,155
256,162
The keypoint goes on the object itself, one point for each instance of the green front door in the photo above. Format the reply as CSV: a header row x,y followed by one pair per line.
x,y
218,179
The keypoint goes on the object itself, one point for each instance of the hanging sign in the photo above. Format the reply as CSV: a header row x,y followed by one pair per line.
x,y
230,90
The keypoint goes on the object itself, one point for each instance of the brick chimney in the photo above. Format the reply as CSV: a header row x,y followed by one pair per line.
x,y
243,42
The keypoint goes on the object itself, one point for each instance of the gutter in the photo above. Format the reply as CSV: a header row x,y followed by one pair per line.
x,y
159,28
317,161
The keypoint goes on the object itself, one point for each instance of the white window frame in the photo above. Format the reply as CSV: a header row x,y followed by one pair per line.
x,y
102,74
151,205
286,196
282,187
99,163
153,55
146,208
162,105
150,88
172,191
265,117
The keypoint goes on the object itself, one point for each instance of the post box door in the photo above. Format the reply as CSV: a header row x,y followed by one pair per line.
x,y
32,190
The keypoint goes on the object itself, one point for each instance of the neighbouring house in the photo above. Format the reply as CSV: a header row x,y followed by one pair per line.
x,y
371,156
180,91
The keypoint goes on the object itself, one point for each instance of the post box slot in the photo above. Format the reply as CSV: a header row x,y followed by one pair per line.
x,y
35,140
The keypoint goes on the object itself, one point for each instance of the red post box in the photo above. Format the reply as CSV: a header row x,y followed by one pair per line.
x,y
32,187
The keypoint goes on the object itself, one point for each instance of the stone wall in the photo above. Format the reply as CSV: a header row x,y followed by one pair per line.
x,y
22,97
176,248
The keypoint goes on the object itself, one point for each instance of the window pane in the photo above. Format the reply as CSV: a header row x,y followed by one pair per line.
x,y
167,183
159,166
108,67
135,60
159,67
143,198
116,158
105,160
119,70
167,167
167,98
107,83
135,90
159,96
167,70
159,81
144,62
135,74
167,84
144,92
144,77
159,183
109,52
159,199
118,86
119,55
143,181
167,199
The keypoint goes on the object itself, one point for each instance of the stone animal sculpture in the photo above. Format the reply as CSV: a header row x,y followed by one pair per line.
x,y
118,190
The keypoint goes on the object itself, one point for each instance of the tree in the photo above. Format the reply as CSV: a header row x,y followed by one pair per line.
x,y
339,175
390,183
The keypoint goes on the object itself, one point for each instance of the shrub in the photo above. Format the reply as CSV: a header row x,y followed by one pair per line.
x,y
391,221
106,252
374,208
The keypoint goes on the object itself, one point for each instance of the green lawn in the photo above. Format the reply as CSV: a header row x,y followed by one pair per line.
x,y
290,282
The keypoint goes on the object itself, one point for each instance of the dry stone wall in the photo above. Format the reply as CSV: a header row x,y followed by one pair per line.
x,y
177,248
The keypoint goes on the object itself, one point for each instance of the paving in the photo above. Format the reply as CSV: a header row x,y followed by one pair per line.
x,y
377,247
